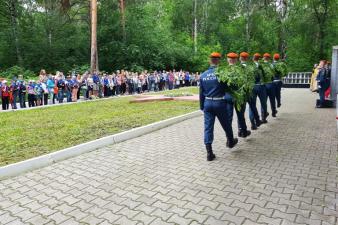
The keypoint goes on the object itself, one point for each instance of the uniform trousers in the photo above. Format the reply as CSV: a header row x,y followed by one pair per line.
x,y
241,118
278,88
260,92
270,91
223,110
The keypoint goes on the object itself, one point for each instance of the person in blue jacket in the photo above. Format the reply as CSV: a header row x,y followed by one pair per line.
x,y
215,102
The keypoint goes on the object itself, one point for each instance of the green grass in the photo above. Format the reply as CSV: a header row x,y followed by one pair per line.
x,y
185,90
31,133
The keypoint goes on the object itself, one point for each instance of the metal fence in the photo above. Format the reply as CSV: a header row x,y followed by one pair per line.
x,y
298,79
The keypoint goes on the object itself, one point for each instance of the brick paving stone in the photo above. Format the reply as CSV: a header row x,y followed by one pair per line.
x,y
284,173
38,220
125,221
268,220
17,222
59,217
196,217
164,215
144,218
92,220
6,218
110,216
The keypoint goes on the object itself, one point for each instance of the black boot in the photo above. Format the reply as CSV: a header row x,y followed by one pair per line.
x,y
210,155
254,126
274,113
232,143
244,133
258,123
264,121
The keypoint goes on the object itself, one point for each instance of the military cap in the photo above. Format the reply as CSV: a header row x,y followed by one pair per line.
x,y
244,55
257,56
232,55
215,55
276,56
267,55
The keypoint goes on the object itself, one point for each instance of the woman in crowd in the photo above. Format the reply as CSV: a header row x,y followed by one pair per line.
x,y
5,92
38,93
31,94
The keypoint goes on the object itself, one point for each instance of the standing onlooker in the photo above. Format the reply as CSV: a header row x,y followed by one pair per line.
x,y
323,82
14,88
75,89
50,87
45,92
31,94
38,93
171,80
79,83
22,94
69,88
96,82
5,92
61,85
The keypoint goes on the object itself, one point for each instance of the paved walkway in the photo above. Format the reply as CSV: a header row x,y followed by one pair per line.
x,y
286,173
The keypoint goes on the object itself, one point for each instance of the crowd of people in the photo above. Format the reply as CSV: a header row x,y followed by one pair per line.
x,y
49,89
221,89
320,81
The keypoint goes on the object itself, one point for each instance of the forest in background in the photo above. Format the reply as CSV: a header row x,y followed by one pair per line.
x,y
162,34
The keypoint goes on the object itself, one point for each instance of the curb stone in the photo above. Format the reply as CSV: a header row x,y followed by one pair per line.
x,y
48,159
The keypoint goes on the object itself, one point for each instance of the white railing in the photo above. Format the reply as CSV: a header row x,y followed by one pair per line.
x,y
297,78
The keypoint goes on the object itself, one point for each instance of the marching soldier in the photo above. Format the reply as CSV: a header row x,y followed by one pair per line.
x,y
259,89
242,128
277,79
254,116
214,102
268,81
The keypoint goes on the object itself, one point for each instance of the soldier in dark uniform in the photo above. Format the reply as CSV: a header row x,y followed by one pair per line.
x,y
254,118
214,101
270,87
277,81
242,128
259,89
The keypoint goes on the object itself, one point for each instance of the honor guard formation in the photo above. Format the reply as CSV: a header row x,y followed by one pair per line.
x,y
230,85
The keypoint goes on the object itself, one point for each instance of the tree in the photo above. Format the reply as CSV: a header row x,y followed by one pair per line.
x,y
94,64
123,19
12,9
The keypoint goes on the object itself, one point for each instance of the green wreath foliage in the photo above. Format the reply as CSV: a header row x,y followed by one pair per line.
x,y
281,69
269,72
239,79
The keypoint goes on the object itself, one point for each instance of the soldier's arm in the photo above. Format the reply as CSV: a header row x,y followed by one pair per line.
x,y
202,97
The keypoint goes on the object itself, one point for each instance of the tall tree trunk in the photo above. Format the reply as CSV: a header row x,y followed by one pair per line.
x,y
195,26
14,23
247,23
282,11
94,65
123,20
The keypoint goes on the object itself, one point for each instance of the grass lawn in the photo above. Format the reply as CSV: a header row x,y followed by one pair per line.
x,y
184,90
30,133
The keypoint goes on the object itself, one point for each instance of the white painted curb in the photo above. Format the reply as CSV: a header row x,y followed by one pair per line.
x,y
45,160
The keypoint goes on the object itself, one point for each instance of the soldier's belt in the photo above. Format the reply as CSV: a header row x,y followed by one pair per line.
x,y
215,98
